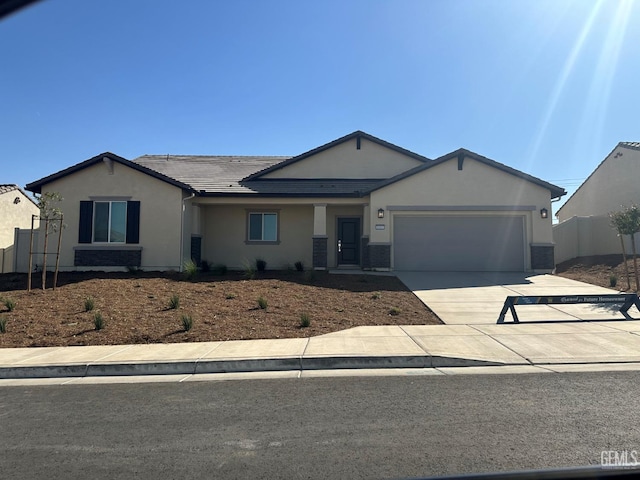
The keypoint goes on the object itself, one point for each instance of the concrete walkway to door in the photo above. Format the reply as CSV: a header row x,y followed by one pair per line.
x,y
465,298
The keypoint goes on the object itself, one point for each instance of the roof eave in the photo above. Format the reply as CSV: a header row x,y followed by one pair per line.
x,y
36,187
555,191
281,195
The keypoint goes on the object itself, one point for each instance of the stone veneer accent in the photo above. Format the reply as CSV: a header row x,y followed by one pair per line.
x,y
108,258
542,257
379,256
320,252
364,248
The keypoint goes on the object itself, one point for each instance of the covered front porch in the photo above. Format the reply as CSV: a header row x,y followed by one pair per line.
x,y
320,233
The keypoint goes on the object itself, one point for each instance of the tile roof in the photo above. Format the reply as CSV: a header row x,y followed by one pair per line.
x,y
221,175
210,174
635,145
8,187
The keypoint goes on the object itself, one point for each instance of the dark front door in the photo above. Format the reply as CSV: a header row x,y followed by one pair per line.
x,y
348,241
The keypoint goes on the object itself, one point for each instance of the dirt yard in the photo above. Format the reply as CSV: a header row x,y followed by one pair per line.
x,y
135,307
599,270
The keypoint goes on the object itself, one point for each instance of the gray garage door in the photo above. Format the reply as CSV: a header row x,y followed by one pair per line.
x,y
459,244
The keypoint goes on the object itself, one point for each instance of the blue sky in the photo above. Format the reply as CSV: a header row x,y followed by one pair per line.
x,y
545,86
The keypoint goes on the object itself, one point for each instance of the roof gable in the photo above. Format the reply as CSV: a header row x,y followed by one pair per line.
x,y
628,145
460,155
36,186
293,167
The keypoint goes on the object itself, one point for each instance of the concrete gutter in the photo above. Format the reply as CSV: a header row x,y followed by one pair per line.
x,y
362,348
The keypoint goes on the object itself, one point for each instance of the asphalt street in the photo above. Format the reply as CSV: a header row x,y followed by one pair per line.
x,y
353,427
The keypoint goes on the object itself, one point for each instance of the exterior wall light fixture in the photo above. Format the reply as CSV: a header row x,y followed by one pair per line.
x,y
380,213
544,213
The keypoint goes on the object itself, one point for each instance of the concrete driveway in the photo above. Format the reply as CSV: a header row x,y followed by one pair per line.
x,y
465,298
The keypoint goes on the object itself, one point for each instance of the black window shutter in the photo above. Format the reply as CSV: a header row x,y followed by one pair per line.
x,y
85,230
133,222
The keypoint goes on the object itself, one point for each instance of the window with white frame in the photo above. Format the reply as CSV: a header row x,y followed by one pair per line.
x,y
263,227
110,222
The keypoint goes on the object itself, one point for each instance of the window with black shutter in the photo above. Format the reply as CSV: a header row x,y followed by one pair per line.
x,y
109,222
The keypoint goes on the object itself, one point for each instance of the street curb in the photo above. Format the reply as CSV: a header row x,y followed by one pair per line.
x,y
192,367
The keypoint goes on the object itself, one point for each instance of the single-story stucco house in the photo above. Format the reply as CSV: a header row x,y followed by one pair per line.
x,y
584,227
356,202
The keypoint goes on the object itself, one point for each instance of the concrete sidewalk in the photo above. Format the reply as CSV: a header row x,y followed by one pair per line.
x,y
558,346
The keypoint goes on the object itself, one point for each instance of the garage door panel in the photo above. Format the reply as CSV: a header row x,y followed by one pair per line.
x,y
439,243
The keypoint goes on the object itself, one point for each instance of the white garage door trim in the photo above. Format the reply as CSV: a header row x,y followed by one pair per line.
x,y
459,242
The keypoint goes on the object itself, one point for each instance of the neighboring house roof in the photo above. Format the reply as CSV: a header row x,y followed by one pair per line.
x,y
629,145
357,134
634,145
462,153
9,187
37,185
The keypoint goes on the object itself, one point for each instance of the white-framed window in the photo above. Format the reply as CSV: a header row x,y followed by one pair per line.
x,y
262,227
110,222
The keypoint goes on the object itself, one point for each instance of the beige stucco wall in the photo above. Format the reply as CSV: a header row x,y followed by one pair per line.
x,y
585,236
225,232
613,184
346,161
14,215
477,189
160,211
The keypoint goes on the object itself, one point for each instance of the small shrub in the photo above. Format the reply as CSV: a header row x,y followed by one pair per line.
x,y
187,322
98,321
249,271
3,325
261,265
299,266
394,311
305,321
10,304
613,281
230,296
376,296
219,269
262,303
174,302
204,266
190,270
89,304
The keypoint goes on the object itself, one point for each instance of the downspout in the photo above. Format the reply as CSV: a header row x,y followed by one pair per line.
x,y
184,200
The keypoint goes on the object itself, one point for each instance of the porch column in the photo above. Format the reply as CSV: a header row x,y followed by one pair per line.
x,y
364,241
196,234
320,239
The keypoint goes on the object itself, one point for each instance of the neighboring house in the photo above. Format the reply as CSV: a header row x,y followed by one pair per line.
x,y
16,209
356,202
583,227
